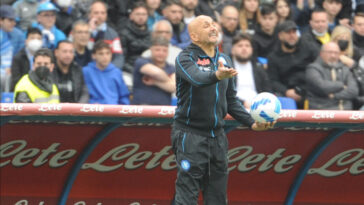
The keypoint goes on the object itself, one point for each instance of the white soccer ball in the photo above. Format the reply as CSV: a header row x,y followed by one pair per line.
x,y
265,107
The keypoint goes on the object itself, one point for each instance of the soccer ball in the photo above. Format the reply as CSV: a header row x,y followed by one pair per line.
x,y
265,107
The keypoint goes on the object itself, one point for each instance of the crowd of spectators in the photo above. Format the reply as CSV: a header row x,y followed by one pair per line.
x,y
123,51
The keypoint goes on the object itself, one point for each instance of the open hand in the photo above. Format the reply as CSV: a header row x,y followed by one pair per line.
x,y
224,72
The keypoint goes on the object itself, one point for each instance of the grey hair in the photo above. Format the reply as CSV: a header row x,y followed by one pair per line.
x,y
165,22
160,41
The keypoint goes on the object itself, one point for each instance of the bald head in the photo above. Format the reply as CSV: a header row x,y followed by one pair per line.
x,y
330,53
203,30
197,22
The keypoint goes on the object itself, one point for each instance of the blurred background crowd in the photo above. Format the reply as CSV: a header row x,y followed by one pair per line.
x,y
307,52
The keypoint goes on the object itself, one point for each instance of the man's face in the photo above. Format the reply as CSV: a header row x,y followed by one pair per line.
x,y
81,34
47,19
359,25
99,13
139,16
268,22
153,4
289,37
64,54
174,14
163,30
207,32
332,7
230,18
159,53
7,24
189,5
330,54
43,61
319,22
102,57
242,50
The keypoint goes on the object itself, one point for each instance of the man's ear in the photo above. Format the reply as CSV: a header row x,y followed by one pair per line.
x,y
194,36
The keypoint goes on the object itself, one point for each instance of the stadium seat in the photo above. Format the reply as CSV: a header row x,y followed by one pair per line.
x,y
288,103
7,97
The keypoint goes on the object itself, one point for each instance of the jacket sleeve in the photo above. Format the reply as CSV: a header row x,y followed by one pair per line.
x,y
319,85
351,91
235,108
187,69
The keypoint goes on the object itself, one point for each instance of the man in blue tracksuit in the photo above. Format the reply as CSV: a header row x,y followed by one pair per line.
x,y
206,93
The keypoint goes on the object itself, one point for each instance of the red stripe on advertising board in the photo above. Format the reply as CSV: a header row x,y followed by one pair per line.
x,y
329,116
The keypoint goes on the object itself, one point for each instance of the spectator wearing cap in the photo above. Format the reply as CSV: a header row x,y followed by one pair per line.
x,y
154,78
26,11
287,63
11,39
358,32
16,36
101,30
46,20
